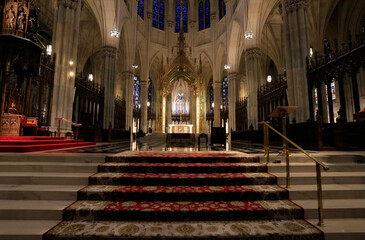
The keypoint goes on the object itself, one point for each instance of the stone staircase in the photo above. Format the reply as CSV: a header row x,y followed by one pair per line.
x,y
34,189
343,191
183,195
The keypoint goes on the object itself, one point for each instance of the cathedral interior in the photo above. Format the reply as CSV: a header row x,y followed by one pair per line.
x,y
189,112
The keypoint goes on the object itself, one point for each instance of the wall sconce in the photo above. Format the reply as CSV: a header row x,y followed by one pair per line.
x,y
91,77
248,35
135,65
71,74
71,62
227,66
269,78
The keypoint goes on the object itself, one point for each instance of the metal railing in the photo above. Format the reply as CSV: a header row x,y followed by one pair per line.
x,y
319,164
77,125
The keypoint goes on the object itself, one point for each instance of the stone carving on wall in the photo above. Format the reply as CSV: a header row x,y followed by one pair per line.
x,y
16,16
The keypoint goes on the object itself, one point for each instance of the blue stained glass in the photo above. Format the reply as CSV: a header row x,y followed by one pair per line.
x,y
185,17
140,8
222,9
207,14
177,17
211,95
162,16
155,14
201,16
136,89
225,92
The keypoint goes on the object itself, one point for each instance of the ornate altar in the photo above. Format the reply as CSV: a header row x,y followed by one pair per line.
x,y
10,125
181,128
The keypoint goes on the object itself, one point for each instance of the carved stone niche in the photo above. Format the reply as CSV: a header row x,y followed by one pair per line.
x,y
16,17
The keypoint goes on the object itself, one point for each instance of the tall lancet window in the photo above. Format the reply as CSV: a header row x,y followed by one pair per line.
x,y
181,15
136,90
140,8
158,14
150,92
222,9
204,14
225,93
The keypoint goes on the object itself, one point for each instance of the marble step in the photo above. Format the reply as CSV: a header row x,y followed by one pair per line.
x,y
182,167
25,229
52,157
38,192
249,230
182,179
182,211
334,208
302,178
47,167
311,167
44,178
182,157
342,228
327,157
330,191
32,209
182,193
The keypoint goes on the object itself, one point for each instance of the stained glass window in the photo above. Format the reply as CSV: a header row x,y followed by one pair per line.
x,y
158,14
201,15
150,92
225,93
181,11
136,90
222,9
207,14
333,90
140,8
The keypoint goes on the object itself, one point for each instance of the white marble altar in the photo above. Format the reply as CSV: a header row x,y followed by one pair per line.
x,y
181,128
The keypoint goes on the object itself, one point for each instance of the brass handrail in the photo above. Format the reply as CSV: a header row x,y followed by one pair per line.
x,y
319,164
77,125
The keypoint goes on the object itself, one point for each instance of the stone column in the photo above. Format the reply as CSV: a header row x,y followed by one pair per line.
x,y
217,87
127,78
143,103
109,55
254,73
65,42
295,24
233,90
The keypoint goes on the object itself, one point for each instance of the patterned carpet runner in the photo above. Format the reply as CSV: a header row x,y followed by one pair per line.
x,y
182,195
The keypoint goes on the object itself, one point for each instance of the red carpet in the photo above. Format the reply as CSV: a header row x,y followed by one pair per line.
x,y
32,144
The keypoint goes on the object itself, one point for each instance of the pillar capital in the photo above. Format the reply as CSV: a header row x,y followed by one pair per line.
x,y
127,74
294,5
72,4
253,53
109,51
233,76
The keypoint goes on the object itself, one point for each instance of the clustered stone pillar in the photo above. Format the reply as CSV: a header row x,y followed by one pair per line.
x,y
109,55
65,42
217,85
127,77
254,77
143,103
295,25
233,88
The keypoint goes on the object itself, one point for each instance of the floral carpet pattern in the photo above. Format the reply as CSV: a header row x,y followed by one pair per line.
x,y
164,195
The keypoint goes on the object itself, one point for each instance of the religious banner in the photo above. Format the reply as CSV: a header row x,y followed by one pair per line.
x,y
16,15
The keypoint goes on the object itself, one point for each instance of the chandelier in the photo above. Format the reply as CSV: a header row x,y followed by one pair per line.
x,y
248,35
114,33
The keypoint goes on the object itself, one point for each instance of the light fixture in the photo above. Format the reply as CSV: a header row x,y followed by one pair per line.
x,y
139,106
269,78
227,66
310,52
71,62
135,65
114,33
91,77
248,35
148,104
49,50
212,104
221,106
71,74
